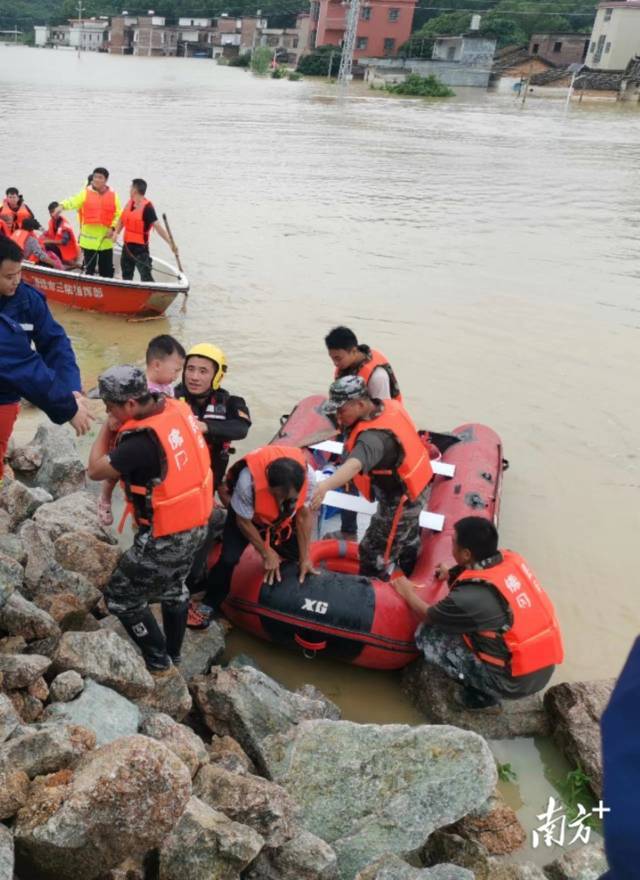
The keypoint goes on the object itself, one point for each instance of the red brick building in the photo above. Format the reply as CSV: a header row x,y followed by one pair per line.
x,y
383,25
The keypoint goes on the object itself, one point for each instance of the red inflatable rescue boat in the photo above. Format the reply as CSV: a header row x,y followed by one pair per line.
x,y
339,613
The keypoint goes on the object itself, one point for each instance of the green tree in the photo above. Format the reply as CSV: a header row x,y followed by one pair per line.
x,y
261,59
317,62
421,86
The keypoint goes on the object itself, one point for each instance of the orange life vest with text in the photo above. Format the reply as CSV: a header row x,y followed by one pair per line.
x,y
133,223
14,217
98,209
183,497
533,640
267,513
414,469
21,236
366,368
69,251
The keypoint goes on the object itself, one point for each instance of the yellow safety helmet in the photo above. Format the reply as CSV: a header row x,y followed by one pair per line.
x,y
212,353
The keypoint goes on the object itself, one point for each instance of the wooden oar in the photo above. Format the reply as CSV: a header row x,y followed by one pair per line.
x,y
173,245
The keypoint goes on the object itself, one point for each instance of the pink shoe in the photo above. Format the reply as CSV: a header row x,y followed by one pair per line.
x,y
105,514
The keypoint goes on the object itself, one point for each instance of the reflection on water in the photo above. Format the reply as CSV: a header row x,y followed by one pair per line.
x,y
491,252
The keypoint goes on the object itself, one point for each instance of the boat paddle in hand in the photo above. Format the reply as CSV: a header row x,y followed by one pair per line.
x,y
177,256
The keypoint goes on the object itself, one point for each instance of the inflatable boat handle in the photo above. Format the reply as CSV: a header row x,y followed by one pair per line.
x,y
309,646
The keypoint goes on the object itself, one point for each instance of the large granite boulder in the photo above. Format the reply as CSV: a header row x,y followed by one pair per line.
x,y
66,595
494,825
66,686
9,719
434,694
14,790
20,617
100,709
40,555
72,513
304,857
182,741
21,670
11,545
370,789
11,577
207,845
123,799
6,853
248,705
107,659
392,867
170,695
45,748
579,863
21,502
575,710
89,556
446,847
251,800
61,471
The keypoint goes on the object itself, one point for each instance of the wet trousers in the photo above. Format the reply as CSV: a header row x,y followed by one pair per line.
x,y
449,653
385,548
136,256
234,543
100,260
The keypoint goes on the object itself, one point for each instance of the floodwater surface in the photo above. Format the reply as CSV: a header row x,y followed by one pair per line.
x,y
491,251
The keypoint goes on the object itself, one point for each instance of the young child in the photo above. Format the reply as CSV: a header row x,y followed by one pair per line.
x,y
165,359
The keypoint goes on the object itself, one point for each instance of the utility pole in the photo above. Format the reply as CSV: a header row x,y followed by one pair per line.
x,y
331,54
349,44
80,27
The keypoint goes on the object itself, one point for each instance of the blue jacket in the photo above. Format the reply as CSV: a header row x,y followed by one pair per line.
x,y
621,764
48,376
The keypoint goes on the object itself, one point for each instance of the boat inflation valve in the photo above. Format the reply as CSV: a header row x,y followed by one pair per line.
x,y
474,500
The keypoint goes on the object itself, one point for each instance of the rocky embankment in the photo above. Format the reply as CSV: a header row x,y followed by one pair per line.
x,y
219,773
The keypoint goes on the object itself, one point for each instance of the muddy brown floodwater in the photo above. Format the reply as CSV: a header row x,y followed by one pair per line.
x,y
491,252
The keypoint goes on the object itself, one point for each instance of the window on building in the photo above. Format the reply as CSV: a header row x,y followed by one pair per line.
x,y
600,48
535,48
451,53
607,48
607,14
365,13
557,47
593,47
389,45
394,14
362,42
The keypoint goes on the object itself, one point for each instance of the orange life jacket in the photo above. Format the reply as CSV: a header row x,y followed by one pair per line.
x,y
533,640
21,236
414,469
133,223
366,369
69,251
183,497
4,229
14,217
99,208
266,510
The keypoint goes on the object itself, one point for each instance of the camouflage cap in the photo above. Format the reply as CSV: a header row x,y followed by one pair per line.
x,y
342,391
119,384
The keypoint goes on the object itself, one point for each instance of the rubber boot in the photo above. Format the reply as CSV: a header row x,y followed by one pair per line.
x,y
144,630
174,621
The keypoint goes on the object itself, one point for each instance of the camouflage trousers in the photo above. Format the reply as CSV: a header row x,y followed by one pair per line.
x,y
406,541
153,570
449,653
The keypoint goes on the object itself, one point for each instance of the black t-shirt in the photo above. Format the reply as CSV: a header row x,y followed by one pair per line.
x,y
149,217
137,459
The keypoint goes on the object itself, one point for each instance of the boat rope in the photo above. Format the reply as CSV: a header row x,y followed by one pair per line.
x,y
152,266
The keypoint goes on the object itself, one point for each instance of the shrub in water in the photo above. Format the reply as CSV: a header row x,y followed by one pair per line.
x,y
422,86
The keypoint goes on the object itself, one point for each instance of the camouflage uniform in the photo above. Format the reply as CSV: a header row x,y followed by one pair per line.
x,y
153,570
406,543
449,653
